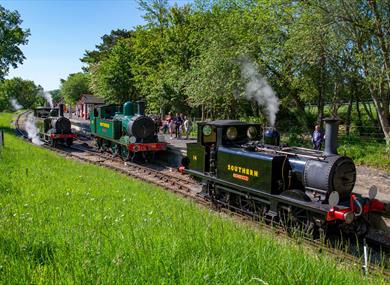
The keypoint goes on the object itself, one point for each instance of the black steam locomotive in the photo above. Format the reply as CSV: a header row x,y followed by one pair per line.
x,y
53,127
245,169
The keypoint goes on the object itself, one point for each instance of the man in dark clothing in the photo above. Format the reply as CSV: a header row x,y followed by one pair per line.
x,y
178,123
317,138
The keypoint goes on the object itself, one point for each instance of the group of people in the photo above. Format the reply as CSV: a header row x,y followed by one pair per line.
x,y
179,125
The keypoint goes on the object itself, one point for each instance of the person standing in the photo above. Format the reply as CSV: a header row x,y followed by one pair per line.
x,y
167,122
178,124
187,125
317,138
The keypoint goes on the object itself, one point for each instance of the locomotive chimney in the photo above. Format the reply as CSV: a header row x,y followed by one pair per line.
x,y
141,107
331,132
61,107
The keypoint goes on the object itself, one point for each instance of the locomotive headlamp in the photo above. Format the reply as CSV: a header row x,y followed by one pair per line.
x,y
207,130
251,132
333,199
231,133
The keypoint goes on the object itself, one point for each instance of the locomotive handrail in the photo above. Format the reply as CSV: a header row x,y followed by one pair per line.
x,y
322,158
305,149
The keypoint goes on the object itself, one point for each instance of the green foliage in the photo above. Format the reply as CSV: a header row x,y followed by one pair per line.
x,y
112,77
365,152
74,86
188,58
25,92
56,95
68,222
11,37
108,42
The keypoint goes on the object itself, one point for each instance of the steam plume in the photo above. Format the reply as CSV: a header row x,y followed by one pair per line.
x,y
257,88
47,96
15,104
32,130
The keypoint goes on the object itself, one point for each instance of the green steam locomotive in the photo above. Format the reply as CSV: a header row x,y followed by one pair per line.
x,y
125,130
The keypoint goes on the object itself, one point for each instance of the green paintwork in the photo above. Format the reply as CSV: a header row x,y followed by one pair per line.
x,y
105,128
128,109
109,122
196,154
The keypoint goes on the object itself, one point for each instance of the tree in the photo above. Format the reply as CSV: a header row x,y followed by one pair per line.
x,y
112,78
363,26
11,37
74,86
56,95
25,92
93,57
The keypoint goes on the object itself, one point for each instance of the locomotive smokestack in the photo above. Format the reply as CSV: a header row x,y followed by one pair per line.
x,y
141,107
61,106
331,132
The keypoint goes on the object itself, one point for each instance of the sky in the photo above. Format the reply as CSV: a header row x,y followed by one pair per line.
x,y
61,30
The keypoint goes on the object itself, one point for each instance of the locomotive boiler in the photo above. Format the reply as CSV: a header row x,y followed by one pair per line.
x,y
125,130
53,127
246,169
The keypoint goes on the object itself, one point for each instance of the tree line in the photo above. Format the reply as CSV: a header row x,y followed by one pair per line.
x,y
188,58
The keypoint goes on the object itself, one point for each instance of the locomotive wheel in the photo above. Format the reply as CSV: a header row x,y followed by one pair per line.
x,y
295,218
69,142
115,150
99,144
106,145
53,142
125,154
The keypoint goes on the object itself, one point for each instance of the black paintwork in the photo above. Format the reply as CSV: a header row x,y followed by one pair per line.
x,y
224,165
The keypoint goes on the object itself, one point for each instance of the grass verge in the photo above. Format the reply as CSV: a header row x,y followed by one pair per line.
x,y
67,222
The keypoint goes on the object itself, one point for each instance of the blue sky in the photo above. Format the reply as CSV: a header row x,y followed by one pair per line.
x,y
61,30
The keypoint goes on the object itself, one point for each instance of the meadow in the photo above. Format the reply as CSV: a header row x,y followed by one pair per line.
x,y
66,222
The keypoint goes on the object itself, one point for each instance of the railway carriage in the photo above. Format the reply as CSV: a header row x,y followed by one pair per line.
x,y
243,170
125,130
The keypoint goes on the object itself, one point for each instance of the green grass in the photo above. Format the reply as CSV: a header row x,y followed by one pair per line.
x,y
365,152
64,222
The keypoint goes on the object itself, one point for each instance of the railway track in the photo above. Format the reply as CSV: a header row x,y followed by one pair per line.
x,y
189,188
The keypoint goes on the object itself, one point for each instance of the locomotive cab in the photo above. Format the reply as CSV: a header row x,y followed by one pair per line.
x,y
215,134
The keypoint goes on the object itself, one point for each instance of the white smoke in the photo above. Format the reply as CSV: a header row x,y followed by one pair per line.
x,y
15,104
47,96
32,130
257,88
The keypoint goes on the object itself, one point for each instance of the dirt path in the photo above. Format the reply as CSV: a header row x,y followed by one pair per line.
x,y
367,176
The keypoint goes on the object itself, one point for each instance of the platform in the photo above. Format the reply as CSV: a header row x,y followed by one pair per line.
x,y
176,150
79,125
